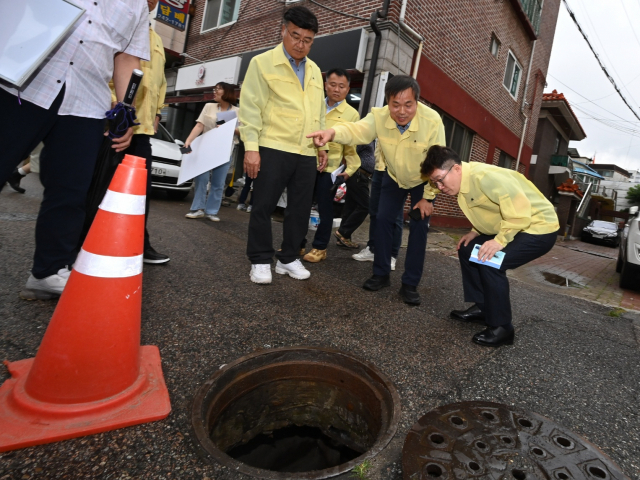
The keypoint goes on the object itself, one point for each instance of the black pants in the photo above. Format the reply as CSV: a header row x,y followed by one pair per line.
x,y
280,170
356,205
67,161
324,197
392,198
244,194
488,286
141,147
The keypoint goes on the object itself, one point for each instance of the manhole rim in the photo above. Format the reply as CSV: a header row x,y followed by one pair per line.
x,y
207,449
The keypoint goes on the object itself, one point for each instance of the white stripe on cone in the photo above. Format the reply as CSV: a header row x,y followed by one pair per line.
x,y
104,266
126,203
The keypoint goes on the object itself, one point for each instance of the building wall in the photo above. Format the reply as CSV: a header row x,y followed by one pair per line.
x,y
544,145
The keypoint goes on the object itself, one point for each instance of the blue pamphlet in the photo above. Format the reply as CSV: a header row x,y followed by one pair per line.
x,y
495,262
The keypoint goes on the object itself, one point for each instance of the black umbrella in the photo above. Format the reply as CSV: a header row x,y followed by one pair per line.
x,y
121,118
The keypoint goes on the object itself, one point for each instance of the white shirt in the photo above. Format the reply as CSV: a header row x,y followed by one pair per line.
x,y
84,61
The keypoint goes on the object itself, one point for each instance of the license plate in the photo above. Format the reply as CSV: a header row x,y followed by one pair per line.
x,y
598,236
160,172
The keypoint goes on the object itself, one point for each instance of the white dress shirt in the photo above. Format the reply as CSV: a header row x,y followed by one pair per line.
x,y
84,60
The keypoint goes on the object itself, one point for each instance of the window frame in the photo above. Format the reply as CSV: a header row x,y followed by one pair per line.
x,y
510,54
494,40
204,16
503,157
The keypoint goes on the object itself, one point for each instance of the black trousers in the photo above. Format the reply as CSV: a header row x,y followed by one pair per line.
x,y
488,286
356,205
280,170
67,161
141,147
324,197
392,199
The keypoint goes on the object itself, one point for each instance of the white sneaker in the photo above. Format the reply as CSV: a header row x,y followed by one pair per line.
x,y
195,214
364,255
249,209
294,269
261,273
242,207
46,288
393,263
213,218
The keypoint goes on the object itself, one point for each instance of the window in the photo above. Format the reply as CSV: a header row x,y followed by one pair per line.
x,y
458,137
556,147
494,47
505,161
219,12
512,75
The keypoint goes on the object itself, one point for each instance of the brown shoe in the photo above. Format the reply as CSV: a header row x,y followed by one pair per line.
x,y
344,241
315,255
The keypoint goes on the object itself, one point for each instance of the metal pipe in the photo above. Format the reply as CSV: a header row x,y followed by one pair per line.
x,y
373,65
417,64
524,102
403,11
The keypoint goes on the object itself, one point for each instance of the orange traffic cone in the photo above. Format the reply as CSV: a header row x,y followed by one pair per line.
x,y
90,374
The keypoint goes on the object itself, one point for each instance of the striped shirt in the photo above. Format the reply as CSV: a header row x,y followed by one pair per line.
x,y
84,61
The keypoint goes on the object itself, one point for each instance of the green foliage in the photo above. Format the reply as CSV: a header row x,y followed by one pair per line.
x,y
616,312
360,471
633,195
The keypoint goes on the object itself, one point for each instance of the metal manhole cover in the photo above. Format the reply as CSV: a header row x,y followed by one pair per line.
x,y
493,441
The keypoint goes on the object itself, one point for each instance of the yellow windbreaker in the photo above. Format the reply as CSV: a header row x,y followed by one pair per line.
x,y
153,88
402,153
275,111
502,202
341,114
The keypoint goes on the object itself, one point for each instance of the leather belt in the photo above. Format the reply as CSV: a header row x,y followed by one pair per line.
x,y
362,171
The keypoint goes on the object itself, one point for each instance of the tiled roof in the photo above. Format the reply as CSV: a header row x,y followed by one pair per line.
x,y
555,97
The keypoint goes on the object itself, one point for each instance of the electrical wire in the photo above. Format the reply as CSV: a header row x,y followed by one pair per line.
x,y
609,77
629,20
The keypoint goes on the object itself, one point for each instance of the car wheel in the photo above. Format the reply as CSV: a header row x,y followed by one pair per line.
x,y
177,194
627,276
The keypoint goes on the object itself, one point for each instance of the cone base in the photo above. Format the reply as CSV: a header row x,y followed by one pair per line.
x,y
25,422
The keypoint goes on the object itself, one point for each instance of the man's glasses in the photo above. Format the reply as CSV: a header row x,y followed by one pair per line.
x,y
298,39
440,181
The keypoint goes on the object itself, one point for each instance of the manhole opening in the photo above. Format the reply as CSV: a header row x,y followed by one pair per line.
x,y
433,470
295,410
436,438
597,472
560,280
518,474
525,423
564,442
562,476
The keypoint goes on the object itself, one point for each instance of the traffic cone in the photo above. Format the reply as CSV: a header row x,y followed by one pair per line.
x,y
90,374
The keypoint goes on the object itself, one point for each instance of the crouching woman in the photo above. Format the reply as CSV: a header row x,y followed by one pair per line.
x,y
509,214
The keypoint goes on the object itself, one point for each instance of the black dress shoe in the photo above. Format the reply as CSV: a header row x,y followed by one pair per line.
x,y
409,294
495,336
151,256
14,181
376,282
471,314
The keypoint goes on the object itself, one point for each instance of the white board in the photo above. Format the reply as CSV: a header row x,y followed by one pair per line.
x,y
209,151
29,31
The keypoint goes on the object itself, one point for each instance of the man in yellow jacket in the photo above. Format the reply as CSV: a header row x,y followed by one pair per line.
x,y
281,101
149,103
508,214
405,130
338,111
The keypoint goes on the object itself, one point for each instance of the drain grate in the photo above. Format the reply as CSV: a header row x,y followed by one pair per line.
x,y
493,441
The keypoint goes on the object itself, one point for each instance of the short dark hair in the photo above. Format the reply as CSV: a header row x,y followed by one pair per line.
x,y
301,17
439,158
341,72
400,83
229,94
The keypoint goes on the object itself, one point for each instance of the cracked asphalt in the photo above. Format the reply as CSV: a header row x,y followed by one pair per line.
x,y
571,362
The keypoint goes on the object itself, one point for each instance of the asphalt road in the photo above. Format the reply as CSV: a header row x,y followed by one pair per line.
x,y
571,362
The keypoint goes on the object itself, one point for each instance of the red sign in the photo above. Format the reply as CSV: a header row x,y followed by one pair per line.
x,y
173,13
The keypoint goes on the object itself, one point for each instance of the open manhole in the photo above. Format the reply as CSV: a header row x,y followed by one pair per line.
x,y
304,413
560,280
493,441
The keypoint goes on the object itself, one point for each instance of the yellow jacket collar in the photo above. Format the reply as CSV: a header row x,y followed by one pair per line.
x,y
391,124
465,181
279,56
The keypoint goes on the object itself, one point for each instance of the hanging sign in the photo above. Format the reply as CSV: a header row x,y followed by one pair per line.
x,y
173,13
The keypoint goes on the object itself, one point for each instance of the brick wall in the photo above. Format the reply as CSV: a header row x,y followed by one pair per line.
x,y
479,149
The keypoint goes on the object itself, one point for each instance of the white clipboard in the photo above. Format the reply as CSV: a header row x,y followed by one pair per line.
x,y
29,31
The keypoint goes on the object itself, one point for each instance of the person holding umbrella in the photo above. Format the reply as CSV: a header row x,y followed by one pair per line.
x,y
209,204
